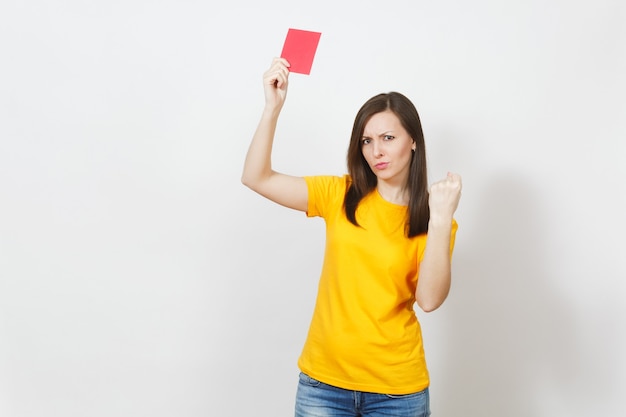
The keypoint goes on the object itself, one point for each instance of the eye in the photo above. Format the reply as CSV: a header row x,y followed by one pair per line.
x,y
389,137
365,141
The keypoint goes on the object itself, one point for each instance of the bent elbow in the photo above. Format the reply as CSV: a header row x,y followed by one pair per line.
x,y
429,307
430,304
249,181
255,179
245,180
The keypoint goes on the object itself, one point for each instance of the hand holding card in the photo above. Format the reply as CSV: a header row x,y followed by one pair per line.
x,y
299,49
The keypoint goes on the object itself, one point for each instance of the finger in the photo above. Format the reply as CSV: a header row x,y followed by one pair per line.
x,y
458,180
281,80
453,177
280,69
277,77
282,61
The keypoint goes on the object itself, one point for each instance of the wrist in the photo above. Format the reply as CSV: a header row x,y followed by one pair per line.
x,y
439,222
271,110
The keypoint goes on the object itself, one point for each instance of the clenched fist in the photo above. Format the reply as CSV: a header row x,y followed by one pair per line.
x,y
444,198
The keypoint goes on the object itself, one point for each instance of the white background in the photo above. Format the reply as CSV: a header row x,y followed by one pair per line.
x,y
138,277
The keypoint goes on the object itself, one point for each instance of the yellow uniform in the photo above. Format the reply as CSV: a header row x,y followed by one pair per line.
x,y
364,334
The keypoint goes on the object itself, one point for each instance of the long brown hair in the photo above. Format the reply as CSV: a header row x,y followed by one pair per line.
x,y
364,180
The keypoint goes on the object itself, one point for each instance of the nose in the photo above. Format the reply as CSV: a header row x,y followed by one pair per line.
x,y
377,149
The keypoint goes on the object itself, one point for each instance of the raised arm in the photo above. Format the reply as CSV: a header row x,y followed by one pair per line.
x,y
434,280
258,175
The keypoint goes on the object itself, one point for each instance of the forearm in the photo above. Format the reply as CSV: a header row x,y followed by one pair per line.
x,y
258,162
435,269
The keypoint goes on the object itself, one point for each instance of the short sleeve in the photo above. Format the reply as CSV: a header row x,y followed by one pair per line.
x,y
455,226
325,194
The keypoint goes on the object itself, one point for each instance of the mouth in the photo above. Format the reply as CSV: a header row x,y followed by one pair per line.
x,y
381,165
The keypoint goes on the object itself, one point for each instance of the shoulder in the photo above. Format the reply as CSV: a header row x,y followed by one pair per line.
x,y
326,193
328,182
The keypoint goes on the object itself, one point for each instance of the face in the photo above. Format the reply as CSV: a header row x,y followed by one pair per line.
x,y
387,148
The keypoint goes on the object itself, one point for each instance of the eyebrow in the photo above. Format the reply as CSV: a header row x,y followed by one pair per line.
x,y
385,133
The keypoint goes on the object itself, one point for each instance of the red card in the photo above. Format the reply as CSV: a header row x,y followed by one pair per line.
x,y
299,50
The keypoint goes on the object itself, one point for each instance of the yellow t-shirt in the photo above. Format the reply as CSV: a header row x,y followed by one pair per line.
x,y
364,334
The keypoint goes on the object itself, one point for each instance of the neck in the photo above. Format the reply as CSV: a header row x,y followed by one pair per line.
x,y
393,194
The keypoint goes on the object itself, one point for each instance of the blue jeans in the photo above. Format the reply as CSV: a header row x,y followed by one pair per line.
x,y
316,399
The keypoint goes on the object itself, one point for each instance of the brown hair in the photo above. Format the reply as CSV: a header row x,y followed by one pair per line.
x,y
364,180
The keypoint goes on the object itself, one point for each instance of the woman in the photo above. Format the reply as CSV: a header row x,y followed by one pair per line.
x,y
363,355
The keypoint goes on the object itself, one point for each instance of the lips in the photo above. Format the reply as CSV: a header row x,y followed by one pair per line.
x,y
381,165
